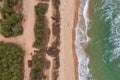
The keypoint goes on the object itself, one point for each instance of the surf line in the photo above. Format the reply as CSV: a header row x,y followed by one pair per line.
x,y
81,42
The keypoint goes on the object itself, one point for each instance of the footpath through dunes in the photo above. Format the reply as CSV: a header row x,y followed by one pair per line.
x,y
68,63
28,34
27,38
52,55
49,13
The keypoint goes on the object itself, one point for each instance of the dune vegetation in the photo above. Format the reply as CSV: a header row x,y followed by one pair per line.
x,y
11,18
38,60
37,71
11,62
40,10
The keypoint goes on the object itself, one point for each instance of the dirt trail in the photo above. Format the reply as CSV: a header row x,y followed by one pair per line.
x,y
49,72
28,35
50,21
52,38
26,40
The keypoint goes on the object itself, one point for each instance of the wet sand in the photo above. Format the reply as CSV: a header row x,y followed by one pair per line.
x,y
73,36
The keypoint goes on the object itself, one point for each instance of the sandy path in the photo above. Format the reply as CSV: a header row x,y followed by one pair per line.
x,y
49,72
67,9
52,38
50,22
26,40
67,61
29,15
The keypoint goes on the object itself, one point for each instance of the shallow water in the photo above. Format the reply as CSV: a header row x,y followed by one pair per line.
x,y
98,40
103,49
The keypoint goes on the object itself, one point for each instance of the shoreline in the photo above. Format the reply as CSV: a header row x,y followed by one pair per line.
x,y
82,40
77,4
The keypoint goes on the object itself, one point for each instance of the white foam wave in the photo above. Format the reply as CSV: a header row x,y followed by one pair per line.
x,y
110,8
81,42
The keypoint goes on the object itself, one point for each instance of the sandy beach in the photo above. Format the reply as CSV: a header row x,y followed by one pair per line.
x,y
68,60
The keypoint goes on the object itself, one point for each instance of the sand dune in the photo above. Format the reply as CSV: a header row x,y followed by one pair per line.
x,y
67,54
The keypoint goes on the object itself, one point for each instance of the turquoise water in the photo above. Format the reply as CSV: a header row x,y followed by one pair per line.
x,y
104,47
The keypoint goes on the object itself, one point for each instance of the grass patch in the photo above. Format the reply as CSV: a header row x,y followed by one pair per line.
x,y
11,61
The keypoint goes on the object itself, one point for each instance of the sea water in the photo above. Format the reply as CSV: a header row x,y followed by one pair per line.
x,y
98,40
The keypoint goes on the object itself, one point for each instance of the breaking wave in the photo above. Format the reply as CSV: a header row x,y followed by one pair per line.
x,y
111,10
82,40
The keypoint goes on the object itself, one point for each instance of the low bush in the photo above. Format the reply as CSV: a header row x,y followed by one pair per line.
x,y
7,30
39,61
40,10
11,61
9,3
10,19
37,71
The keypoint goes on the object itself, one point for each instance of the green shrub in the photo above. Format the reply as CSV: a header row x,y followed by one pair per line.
x,y
9,3
13,2
11,61
14,18
37,72
6,12
10,23
17,30
7,30
5,3
38,59
40,10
